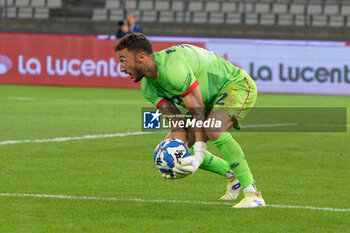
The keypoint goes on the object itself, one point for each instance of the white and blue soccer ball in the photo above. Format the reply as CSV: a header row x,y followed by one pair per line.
x,y
169,152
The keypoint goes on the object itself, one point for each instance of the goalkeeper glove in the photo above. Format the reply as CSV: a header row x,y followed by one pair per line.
x,y
190,164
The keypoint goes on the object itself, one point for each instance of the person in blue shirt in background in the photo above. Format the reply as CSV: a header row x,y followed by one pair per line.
x,y
133,26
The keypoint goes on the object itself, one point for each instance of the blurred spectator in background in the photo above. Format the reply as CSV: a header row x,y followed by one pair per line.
x,y
133,26
123,29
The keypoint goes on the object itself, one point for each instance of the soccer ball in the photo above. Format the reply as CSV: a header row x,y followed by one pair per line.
x,y
169,152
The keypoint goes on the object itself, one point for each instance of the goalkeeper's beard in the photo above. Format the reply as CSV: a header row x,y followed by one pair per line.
x,y
139,72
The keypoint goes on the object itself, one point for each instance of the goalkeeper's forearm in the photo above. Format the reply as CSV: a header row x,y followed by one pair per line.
x,y
198,114
172,113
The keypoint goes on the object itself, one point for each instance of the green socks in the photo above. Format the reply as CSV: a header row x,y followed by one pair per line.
x,y
214,164
235,160
234,156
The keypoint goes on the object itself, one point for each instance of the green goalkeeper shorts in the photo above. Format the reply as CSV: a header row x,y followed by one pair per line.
x,y
236,99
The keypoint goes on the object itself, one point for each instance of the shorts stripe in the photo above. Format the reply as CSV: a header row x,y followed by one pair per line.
x,y
229,101
245,98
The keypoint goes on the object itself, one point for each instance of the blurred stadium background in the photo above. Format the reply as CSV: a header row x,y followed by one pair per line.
x,y
299,19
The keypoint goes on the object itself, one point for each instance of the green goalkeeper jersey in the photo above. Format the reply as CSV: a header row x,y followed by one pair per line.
x,y
182,68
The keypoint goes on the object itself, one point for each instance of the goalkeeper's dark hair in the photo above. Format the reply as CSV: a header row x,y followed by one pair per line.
x,y
135,42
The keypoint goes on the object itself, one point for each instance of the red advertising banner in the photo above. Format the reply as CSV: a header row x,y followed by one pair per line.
x,y
63,61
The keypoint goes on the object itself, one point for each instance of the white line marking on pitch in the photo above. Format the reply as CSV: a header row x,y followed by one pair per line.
x,y
72,138
20,98
63,139
269,125
111,101
161,201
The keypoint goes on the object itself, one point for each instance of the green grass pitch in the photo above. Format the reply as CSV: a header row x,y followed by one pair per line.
x,y
296,169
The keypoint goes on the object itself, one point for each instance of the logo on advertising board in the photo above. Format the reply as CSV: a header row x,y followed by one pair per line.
x,y
311,67
70,67
72,61
5,64
64,64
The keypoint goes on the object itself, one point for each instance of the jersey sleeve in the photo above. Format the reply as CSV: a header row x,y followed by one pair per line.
x,y
151,94
181,78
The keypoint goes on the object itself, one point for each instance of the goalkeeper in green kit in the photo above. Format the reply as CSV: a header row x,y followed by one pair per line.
x,y
210,89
